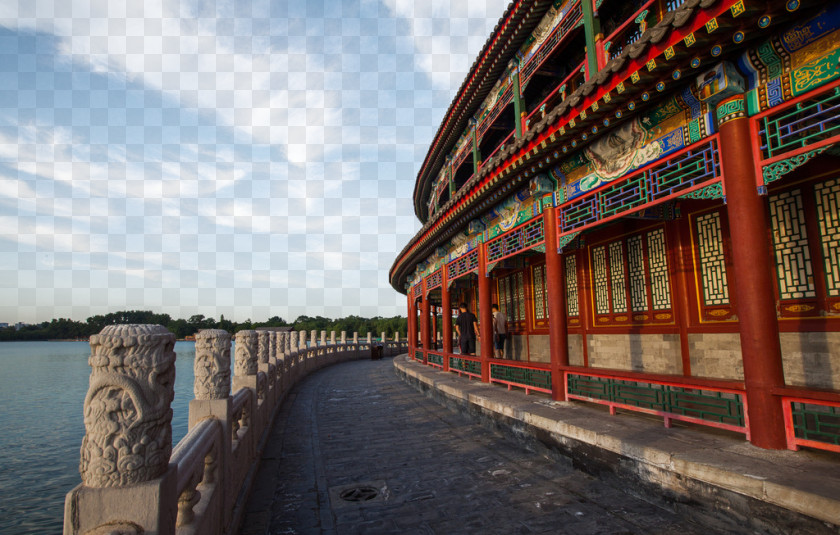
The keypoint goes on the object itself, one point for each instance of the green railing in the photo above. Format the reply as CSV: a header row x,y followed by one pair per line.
x,y
435,359
812,423
717,408
801,124
470,367
528,378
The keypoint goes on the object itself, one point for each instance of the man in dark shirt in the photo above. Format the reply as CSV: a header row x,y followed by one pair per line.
x,y
466,327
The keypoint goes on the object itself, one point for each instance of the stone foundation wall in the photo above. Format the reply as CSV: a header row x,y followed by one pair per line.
x,y
516,347
576,349
649,353
540,348
812,359
716,355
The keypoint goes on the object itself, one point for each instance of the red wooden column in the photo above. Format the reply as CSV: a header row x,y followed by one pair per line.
x,y
424,323
434,328
485,315
558,334
753,269
681,263
412,339
446,305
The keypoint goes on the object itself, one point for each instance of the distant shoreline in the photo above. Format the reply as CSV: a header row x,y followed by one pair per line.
x,y
81,340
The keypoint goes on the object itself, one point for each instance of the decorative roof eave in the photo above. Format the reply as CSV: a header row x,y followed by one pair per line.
x,y
567,119
514,27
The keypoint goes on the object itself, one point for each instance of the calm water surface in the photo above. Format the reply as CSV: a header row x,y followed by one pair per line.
x,y
42,390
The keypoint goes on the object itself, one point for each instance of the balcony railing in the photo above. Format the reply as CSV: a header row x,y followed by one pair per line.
x,y
570,20
629,32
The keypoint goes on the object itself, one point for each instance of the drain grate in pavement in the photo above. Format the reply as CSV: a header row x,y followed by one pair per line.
x,y
359,494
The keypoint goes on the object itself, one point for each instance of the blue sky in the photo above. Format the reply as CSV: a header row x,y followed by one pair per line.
x,y
247,158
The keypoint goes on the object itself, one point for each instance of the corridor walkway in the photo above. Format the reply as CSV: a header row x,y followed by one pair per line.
x,y
356,429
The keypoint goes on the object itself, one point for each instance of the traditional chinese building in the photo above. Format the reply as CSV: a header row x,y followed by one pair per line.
x,y
650,190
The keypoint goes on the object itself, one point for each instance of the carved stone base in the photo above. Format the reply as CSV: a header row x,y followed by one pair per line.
x,y
148,507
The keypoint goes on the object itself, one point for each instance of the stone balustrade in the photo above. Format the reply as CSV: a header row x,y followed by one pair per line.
x,y
132,479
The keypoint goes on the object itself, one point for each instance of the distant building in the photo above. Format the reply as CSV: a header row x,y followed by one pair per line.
x,y
3,325
20,325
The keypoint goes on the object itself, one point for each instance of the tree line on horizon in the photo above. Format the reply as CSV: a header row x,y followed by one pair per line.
x,y
67,329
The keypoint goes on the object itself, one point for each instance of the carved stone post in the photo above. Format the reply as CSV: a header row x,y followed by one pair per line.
x,y
397,336
265,366
369,338
246,360
343,337
323,338
276,354
212,398
212,365
332,337
125,453
302,340
355,337
313,338
263,346
246,366
128,419
272,345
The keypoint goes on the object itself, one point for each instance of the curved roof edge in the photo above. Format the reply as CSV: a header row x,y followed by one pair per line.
x,y
514,27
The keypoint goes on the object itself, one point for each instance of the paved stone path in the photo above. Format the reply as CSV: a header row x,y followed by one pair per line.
x,y
357,424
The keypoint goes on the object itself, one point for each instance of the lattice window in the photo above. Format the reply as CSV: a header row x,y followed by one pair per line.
x,y
571,286
507,297
658,268
599,269
642,266
712,263
512,296
540,300
828,215
636,270
617,280
790,237
520,296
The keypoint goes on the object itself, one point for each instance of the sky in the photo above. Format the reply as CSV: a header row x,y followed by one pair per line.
x,y
234,157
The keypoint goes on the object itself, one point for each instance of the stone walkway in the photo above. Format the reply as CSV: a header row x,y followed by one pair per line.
x,y
355,427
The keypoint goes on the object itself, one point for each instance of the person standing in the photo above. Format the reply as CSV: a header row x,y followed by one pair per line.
x,y
499,332
466,327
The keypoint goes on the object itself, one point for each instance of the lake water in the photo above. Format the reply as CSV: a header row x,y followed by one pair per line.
x,y
42,390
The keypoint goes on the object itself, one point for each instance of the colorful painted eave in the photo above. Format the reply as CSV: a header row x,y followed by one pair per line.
x,y
623,77
514,27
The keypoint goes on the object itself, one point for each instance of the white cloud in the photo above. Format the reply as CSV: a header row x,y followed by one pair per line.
x,y
444,49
